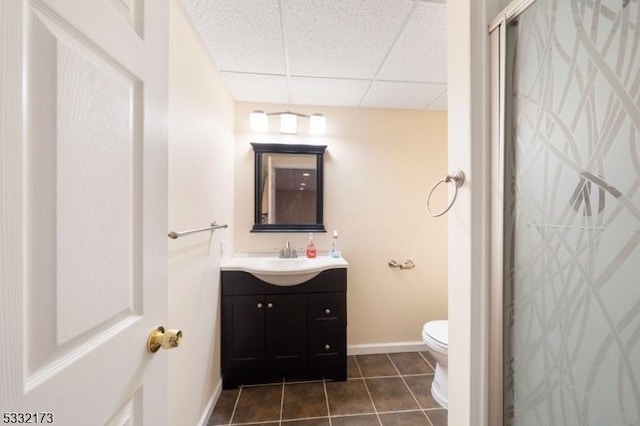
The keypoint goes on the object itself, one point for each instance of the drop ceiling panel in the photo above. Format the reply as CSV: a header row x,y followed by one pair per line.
x,y
423,44
343,39
384,94
327,91
440,104
241,35
289,51
257,87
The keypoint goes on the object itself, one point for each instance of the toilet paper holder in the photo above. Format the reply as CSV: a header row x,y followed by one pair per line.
x,y
408,264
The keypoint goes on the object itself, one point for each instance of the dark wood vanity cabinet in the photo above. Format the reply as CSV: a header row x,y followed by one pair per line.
x,y
264,330
271,331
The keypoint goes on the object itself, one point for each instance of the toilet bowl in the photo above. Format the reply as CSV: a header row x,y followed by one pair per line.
x,y
435,335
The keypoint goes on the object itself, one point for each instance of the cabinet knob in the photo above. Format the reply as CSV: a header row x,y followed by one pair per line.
x,y
269,305
327,347
327,311
259,305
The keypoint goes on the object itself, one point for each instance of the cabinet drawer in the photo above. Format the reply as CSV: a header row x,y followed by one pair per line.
x,y
326,310
326,344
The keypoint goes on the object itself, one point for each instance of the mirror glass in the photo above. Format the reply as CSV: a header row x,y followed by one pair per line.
x,y
288,188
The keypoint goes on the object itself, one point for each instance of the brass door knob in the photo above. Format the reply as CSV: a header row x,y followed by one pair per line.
x,y
165,339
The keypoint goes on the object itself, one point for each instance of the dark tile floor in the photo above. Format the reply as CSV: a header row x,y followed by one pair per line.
x,y
384,389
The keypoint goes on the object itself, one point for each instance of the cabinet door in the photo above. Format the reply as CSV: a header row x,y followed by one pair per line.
x,y
286,330
243,337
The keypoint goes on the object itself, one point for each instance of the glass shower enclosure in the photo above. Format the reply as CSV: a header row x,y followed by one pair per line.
x,y
566,77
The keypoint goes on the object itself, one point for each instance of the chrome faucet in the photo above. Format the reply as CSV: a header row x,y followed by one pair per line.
x,y
288,252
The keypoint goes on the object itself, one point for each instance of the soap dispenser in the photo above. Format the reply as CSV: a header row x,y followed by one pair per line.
x,y
311,248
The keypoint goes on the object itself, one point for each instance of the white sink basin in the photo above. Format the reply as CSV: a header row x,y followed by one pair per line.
x,y
283,272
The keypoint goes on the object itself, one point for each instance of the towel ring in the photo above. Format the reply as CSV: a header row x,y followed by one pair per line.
x,y
457,176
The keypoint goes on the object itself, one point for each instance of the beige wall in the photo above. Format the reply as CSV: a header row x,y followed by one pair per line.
x,y
201,116
379,166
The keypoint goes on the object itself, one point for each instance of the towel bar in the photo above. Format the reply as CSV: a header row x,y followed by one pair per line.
x,y
175,235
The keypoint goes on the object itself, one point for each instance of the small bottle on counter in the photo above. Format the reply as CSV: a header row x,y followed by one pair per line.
x,y
311,248
334,245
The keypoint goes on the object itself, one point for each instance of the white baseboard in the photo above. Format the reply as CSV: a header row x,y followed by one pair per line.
x,y
385,348
211,405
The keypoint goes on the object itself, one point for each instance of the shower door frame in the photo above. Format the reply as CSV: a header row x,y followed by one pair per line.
x,y
499,123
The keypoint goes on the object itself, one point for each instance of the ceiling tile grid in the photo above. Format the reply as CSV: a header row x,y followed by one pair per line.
x,y
271,89
420,53
327,91
342,39
439,104
241,35
360,53
402,95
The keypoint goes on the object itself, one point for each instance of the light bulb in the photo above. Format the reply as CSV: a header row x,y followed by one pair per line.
x,y
317,124
258,121
288,123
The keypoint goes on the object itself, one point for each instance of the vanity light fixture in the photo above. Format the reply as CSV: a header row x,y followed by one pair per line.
x,y
288,123
259,122
317,124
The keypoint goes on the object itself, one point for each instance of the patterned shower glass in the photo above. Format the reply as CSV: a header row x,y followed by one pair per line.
x,y
572,220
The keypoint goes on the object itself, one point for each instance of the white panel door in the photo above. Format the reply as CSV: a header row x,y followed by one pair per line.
x,y
83,258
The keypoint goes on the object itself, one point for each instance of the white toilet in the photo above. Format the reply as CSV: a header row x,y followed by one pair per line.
x,y
435,335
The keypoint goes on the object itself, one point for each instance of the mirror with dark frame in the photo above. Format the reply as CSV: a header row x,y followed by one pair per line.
x,y
288,186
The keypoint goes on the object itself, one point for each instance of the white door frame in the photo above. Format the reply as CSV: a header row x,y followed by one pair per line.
x,y
469,219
